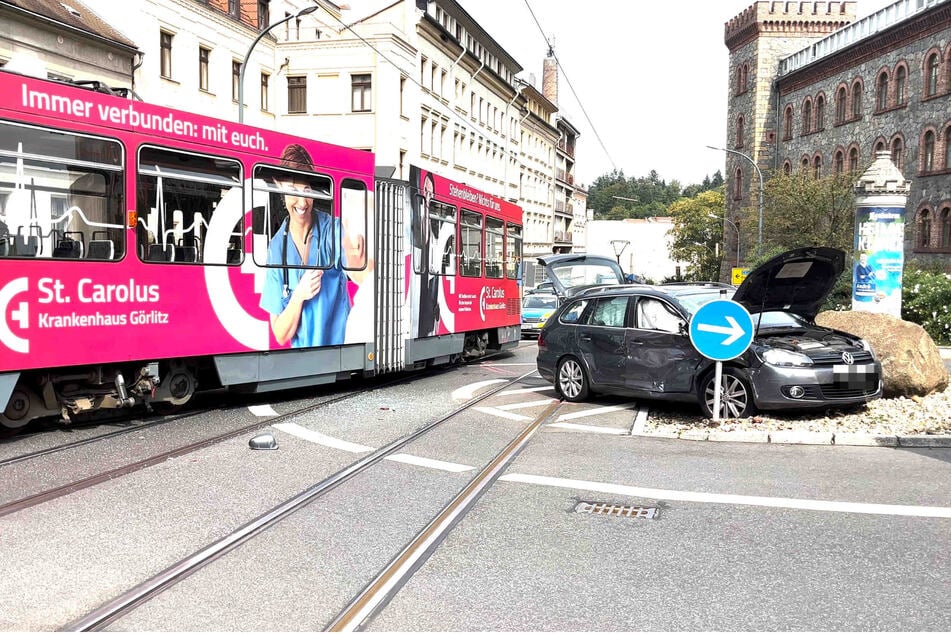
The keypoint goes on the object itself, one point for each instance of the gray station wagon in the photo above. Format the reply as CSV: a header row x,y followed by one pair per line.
x,y
633,340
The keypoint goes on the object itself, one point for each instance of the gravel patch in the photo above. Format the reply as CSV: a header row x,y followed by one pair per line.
x,y
916,416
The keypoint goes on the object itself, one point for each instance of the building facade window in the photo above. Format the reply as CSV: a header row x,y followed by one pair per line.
x,y
166,58
235,79
931,75
264,14
203,55
738,184
296,95
265,102
820,113
924,228
838,162
881,92
234,8
807,117
787,123
947,148
361,93
857,100
927,152
787,168
840,103
854,160
898,151
739,131
817,167
901,81
944,218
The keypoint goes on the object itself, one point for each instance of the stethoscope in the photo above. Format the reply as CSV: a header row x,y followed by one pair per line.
x,y
287,229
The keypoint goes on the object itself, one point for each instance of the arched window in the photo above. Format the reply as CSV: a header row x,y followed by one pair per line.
x,y
901,79
807,117
840,105
820,113
927,152
787,123
817,167
739,131
804,165
947,148
945,220
787,168
857,100
878,147
931,75
924,228
738,184
881,92
838,162
898,150
854,160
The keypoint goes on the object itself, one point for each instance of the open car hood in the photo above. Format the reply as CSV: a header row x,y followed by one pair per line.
x,y
797,281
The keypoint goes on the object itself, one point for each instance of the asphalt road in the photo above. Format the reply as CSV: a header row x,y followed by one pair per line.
x,y
731,536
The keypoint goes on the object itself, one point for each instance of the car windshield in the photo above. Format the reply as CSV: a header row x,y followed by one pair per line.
x,y
693,301
578,274
774,319
534,301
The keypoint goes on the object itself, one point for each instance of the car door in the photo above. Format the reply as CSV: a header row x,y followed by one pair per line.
x,y
660,357
601,340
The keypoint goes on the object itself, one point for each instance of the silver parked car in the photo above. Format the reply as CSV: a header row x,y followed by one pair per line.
x,y
633,340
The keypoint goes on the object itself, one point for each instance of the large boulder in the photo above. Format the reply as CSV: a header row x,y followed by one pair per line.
x,y
911,362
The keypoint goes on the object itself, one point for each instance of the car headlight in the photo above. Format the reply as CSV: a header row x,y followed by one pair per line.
x,y
786,358
864,345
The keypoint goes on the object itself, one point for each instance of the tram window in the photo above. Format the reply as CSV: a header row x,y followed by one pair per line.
x,y
494,240
357,235
59,193
513,250
190,207
470,230
442,251
280,194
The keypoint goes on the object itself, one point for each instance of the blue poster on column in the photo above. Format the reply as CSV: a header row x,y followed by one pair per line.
x,y
879,259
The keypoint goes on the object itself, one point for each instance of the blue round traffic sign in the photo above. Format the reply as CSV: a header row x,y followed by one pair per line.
x,y
721,330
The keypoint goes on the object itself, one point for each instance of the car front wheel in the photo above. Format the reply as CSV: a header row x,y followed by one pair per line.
x,y
736,396
571,381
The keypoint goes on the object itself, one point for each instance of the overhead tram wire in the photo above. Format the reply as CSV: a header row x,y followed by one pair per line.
x,y
551,49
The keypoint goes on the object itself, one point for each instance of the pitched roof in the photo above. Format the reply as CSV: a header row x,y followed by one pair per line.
x,y
74,14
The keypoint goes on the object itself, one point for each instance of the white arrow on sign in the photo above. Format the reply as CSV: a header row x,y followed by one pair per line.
x,y
735,331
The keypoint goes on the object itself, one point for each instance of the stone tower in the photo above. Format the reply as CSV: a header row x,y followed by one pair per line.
x,y
758,38
550,77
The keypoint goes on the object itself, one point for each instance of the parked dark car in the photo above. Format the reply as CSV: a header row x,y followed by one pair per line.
x,y
633,340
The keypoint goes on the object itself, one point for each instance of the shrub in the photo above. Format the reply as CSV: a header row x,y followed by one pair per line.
x,y
926,301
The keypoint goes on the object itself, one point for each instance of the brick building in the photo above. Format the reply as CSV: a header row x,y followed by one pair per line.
x,y
811,88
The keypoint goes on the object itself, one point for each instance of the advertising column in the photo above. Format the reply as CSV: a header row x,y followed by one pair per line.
x,y
879,247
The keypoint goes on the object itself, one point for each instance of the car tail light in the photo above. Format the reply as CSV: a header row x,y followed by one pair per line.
x,y
541,339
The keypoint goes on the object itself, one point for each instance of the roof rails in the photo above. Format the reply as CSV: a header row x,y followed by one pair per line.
x,y
700,284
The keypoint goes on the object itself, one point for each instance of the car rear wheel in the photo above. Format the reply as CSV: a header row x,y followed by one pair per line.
x,y
736,396
571,381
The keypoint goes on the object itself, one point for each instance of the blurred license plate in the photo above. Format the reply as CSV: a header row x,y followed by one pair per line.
x,y
855,375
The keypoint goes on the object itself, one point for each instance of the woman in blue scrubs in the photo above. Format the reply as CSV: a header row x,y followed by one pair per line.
x,y
308,306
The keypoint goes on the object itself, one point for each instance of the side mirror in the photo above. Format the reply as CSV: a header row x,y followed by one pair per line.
x,y
683,328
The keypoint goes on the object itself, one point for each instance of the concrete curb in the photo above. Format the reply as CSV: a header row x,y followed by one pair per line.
x,y
792,437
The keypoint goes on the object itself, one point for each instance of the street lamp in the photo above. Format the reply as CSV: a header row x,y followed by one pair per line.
x,y
302,12
759,236
735,228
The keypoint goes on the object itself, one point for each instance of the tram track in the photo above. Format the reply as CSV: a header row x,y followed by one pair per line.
x,y
371,599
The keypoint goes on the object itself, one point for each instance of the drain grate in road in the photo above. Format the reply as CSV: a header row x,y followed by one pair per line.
x,y
619,510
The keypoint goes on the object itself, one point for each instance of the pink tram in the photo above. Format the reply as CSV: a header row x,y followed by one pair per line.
x,y
146,253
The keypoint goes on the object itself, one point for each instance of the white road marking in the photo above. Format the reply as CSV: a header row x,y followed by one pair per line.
x,y
466,392
594,412
492,411
429,463
639,421
633,491
724,498
590,428
526,390
321,439
262,410
511,406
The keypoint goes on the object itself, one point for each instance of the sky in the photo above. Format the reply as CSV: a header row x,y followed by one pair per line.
x,y
645,81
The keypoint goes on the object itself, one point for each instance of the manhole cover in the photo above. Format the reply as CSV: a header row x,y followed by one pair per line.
x,y
619,510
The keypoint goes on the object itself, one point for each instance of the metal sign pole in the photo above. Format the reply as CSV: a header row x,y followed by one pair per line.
x,y
717,377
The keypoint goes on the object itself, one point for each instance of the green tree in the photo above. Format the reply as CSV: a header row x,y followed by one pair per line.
x,y
697,236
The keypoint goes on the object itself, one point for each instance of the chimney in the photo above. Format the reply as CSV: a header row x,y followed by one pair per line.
x,y
550,78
